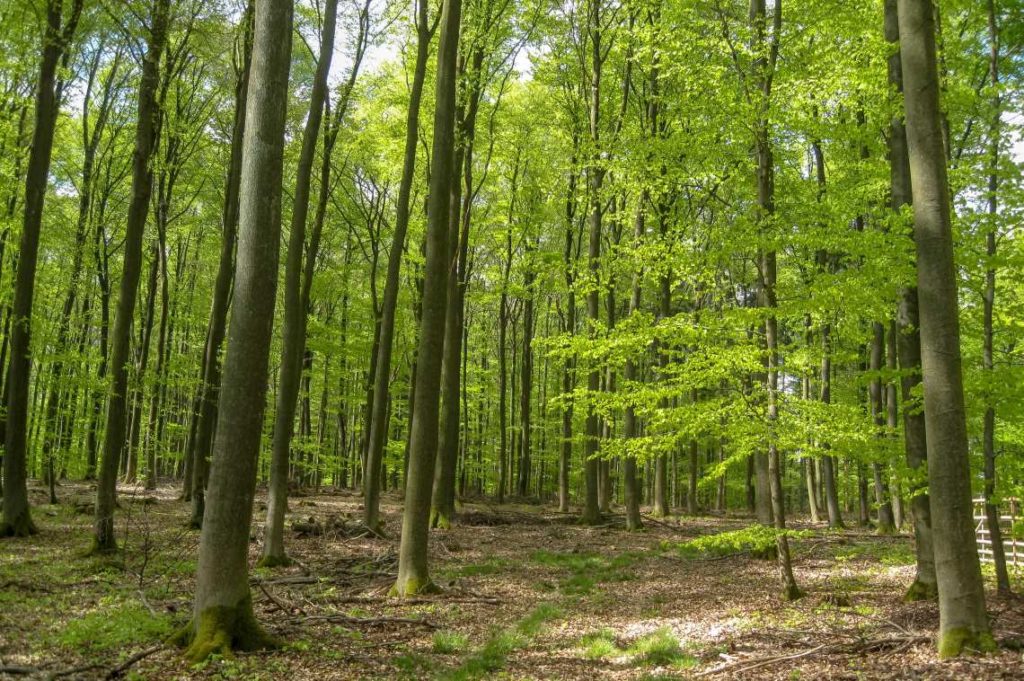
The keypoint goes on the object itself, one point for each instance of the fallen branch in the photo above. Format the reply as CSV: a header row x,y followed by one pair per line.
x,y
276,601
137,657
746,666
365,621
288,579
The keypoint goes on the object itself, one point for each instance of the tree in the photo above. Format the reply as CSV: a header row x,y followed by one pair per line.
x,y
59,32
222,615
294,327
389,304
146,131
963,622
413,575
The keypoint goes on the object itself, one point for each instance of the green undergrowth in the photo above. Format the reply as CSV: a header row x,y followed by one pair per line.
x,y
115,624
756,539
488,660
660,648
449,642
587,570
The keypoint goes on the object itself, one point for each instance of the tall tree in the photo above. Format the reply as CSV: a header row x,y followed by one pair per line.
x,y
294,327
963,622
222,615
57,37
146,132
205,414
992,513
413,574
389,305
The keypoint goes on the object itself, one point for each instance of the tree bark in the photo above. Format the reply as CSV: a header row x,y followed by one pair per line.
x,y
201,444
413,575
963,622
995,533
142,184
389,304
17,520
222,618
294,326
595,178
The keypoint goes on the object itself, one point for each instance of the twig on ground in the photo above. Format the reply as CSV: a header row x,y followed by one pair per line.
x,y
276,601
365,621
137,657
749,665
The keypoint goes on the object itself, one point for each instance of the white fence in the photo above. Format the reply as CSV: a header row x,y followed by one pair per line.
x,y
1012,547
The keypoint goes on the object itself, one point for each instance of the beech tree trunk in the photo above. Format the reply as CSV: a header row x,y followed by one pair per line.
x,y
963,621
222,617
142,185
389,304
201,442
989,296
294,327
595,178
17,520
413,575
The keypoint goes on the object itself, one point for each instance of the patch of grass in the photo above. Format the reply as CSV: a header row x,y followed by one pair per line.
x,y
493,655
599,644
413,666
754,539
660,648
488,567
116,625
588,569
448,642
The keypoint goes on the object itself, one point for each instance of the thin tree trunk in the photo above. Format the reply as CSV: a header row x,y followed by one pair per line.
x,y
201,444
886,523
413,575
925,584
17,520
389,304
142,183
294,325
995,533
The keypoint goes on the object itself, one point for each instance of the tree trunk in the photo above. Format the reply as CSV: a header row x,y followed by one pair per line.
x,y
995,533
294,326
886,523
413,576
924,586
389,304
222,618
142,183
764,67
963,622
201,444
631,486
17,520
595,178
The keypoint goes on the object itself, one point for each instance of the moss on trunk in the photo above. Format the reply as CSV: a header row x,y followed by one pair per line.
x,y
222,630
961,640
440,520
921,591
411,586
21,526
274,561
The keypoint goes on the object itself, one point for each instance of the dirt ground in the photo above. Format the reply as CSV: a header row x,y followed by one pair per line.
x,y
528,594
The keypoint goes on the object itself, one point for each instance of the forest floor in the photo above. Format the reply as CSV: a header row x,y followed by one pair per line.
x,y
528,594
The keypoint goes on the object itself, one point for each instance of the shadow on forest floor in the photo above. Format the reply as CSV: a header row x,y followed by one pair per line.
x,y
528,594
